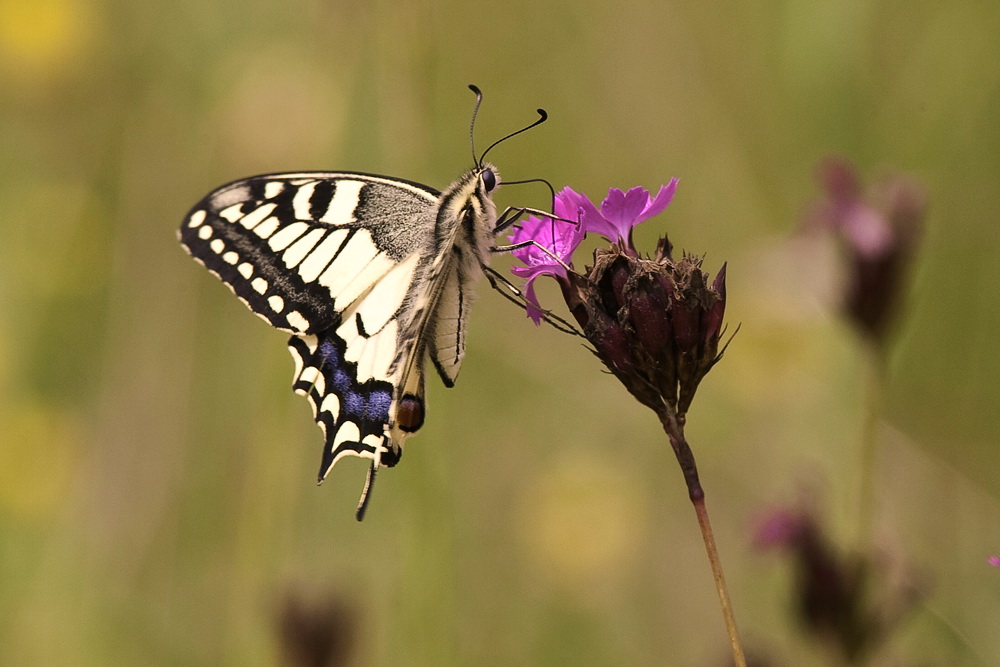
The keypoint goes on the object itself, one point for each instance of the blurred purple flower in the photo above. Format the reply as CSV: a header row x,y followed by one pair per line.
x,y
840,598
558,237
994,561
780,528
321,632
621,211
879,229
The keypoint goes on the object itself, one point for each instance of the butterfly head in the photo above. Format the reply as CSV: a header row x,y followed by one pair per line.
x,y
488,178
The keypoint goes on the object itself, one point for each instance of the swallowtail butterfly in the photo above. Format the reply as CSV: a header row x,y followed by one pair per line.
x,y
370,274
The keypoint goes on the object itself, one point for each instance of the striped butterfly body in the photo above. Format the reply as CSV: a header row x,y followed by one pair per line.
x,y
369,274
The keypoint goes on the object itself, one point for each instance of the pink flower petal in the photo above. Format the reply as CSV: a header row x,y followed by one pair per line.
x,y
622,210
663,197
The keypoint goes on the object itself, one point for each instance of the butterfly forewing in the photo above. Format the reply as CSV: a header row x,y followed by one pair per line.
x,y
368,273
299,248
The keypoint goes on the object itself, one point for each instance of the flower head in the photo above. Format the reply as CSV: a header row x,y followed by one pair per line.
x,y
994,561
654,322
621,211
879,230
782,528
319,631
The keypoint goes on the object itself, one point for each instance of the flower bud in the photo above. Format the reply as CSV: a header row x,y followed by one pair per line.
x,y
612,342
649,315
654,322
716,313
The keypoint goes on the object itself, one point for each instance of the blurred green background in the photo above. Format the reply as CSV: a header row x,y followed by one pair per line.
x,y
157,503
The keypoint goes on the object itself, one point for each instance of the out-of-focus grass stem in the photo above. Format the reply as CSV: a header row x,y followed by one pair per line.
x,y
875,360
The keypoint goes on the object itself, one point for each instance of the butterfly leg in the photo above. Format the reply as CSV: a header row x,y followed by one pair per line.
x,y
509,291
512,214
524,244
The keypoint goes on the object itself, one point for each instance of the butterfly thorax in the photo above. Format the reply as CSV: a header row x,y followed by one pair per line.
x,y
434,319
466,219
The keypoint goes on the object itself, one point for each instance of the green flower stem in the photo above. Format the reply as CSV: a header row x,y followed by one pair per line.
x,y
673,426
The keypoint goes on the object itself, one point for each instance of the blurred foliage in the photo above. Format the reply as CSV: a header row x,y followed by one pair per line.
x,y
156,503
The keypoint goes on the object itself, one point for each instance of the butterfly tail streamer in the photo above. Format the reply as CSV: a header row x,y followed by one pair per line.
x,y
366,493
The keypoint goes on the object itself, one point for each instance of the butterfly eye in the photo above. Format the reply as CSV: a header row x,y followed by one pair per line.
x,y
489,179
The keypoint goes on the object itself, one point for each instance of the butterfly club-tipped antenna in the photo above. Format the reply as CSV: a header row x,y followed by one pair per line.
x,y
478,161
472,124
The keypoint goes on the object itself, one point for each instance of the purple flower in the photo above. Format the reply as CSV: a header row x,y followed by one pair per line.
x,y
848,601
994,561
621,211
655,322
879,228
863,229
559,238
618,214
319,630
781,528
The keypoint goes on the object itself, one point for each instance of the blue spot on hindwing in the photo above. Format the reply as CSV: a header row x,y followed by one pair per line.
x,y
341,381
379,403
329,352
353,405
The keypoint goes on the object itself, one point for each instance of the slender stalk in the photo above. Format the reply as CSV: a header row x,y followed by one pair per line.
x,y
675,433
868,456
720,582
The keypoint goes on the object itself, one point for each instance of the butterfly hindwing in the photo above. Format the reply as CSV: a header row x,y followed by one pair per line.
x,y
446,335
351,412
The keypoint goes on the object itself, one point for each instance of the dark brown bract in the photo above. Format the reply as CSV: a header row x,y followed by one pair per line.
x,y
654,322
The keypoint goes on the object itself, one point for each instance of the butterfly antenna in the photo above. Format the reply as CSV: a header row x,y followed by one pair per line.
x,y
472,125
366,493
552,200
542,117
552,190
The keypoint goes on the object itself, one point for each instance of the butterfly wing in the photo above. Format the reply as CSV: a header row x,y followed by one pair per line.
x,y
369,274
332,258
446,335
299,249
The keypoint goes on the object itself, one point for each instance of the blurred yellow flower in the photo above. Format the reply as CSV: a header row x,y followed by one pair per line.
x,y
39,37
38,448
582,520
